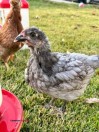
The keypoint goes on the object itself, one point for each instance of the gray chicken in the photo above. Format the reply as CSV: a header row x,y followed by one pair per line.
x,y
60,75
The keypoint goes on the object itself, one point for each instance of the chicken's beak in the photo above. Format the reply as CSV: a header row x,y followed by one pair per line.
x,y
20,38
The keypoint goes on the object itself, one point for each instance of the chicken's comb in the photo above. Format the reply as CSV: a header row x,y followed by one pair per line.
x,y
23,33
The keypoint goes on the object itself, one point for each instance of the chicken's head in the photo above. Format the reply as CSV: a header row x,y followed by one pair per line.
x,y
14,3
33,37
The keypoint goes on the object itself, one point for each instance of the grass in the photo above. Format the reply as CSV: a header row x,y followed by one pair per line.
x,y
68,28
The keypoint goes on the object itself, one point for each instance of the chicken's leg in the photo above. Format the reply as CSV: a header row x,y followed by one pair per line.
x,y
50,104
57,111
11,57
54,110
7,66
6,63
63,108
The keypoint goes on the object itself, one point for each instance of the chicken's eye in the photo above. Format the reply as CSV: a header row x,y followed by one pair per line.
x,y
32,35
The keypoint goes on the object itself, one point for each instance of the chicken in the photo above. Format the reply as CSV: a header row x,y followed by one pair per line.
x,y
11,28
60,75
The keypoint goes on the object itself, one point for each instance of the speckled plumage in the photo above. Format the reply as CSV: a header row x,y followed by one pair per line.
x,y
60,75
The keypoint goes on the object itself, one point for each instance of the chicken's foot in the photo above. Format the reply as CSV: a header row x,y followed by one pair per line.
x,y
59,111
50,104
54,110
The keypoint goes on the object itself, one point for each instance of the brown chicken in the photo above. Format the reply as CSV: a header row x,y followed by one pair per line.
x,y
11,28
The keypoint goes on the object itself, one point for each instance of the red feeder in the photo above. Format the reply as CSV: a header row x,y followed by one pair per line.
x,y
24,4
5,4
11,113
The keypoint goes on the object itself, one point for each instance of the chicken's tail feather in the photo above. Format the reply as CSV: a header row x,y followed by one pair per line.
x,y
94,61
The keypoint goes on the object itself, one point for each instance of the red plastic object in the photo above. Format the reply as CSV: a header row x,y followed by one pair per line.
x,y
5,4
11,113
24,4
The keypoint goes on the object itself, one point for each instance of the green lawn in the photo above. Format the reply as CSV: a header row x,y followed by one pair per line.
x,y
72,29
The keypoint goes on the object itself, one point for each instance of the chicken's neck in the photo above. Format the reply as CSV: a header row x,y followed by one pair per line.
x,y
44,58
14,18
